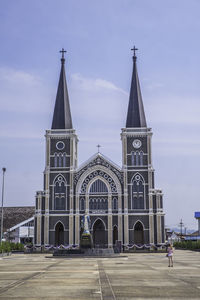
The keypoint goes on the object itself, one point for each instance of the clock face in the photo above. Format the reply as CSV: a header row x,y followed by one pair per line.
x,y
137,144
60,145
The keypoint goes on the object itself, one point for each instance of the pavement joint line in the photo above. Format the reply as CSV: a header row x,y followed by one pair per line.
x,y
100,283
173,275
107,292
110,286
22,281
182,280
108,279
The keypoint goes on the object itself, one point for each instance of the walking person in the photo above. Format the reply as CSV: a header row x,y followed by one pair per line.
x,y
170,252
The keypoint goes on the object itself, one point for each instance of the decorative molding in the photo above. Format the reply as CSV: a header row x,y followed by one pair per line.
x,y
98,162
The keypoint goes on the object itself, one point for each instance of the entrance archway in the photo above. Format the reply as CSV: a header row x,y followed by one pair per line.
x,y
99,234
138,234
59,234
115,234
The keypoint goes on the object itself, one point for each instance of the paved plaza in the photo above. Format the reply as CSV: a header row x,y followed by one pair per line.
x,y
132,276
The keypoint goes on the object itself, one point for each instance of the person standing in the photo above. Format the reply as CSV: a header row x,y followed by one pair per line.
x,y
170,252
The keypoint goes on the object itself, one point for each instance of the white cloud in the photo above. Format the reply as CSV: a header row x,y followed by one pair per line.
x,y
96,102
91,84
22,91
18,76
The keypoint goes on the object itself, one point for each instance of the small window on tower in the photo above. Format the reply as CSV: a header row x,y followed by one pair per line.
x,y
64,160
133,158
137,158
141,158
60,193
55,160
137,192
60,160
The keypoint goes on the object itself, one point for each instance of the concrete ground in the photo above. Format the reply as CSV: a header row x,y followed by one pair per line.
x,y
135,276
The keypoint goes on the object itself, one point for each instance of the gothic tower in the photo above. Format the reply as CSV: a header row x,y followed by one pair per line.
x,y
143,211
54,206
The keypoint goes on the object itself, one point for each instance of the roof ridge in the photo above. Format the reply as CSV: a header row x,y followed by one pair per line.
x,y
95,155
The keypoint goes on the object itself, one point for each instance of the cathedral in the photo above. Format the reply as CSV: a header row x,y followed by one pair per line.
x,y
121,202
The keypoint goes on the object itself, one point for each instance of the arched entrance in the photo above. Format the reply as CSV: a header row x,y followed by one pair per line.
x,y
99,234
115,234
59,234
138,234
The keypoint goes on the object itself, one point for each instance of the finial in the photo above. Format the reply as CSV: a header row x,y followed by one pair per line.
x,y
134,52
63,57
98,146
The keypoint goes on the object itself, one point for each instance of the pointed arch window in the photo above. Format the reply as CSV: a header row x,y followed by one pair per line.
x,y
82,204
64,160
115,203
55,160
60,191
137,192
98,187
60,160
98,199
141,158
137,158
133,158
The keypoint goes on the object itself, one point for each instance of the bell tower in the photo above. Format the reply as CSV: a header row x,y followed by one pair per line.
x,y
139,209
54,206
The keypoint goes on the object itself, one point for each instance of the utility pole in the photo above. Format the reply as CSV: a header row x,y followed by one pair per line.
x,y
4,170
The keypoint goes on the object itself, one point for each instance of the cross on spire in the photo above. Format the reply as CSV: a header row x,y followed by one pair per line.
x,y
63,52
98,146
134,49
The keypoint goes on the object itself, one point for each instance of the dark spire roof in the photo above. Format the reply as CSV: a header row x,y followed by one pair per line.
x,y
62,115
135,115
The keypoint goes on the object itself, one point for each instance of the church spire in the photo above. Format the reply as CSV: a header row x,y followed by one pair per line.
x,y
135,115
62,115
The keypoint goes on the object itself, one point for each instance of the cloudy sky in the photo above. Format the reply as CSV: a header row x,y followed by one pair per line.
x,y
98,36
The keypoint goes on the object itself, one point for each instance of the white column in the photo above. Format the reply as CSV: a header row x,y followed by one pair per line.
x,y
126,231
71,229
151,229
38,240
77,222
46,229
120,218
110,231
77,229
159,231
120,227
87,203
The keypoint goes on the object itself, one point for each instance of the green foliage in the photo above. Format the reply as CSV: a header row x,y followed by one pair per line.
x,y
190,245
8,247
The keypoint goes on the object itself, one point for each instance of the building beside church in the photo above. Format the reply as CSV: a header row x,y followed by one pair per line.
x,y
122,202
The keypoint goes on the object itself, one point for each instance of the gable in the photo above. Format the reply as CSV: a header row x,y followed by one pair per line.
x,y
98,160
